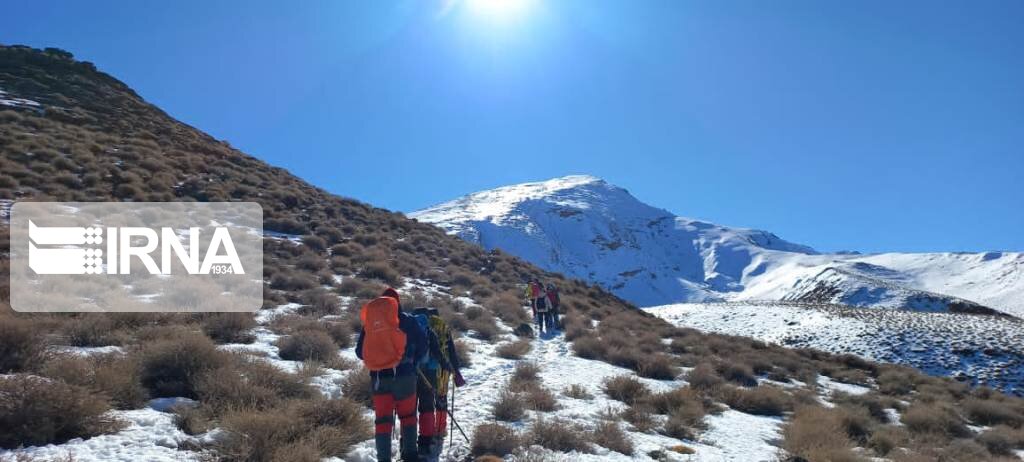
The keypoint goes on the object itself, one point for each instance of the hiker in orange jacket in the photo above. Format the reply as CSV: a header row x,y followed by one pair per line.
x,y
391,344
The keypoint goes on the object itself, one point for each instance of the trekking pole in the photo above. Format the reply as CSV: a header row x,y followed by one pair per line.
x,y
449,411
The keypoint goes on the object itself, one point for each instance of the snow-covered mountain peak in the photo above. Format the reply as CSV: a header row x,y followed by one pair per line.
x,y
585,227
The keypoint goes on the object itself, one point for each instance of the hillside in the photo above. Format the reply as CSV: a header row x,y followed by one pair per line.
x,y
587,228
282,384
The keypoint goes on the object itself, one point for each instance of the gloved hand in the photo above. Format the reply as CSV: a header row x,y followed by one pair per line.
x,y
459,381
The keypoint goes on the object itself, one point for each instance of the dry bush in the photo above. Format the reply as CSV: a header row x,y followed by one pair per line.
x,y
577,391
640,417
886,438
509,308
609,434
933,420
229,327
92,329
509,407
896,382
589,348
113,376
249,383
293,431
559,435
625,388
21,345
171,367
992,412
494,439
525,373
381,271
292,282
513,350
771,401
357,387
704,378
817,433
307,345
738,373
657,366
319,302
668,401
36,411
540,399
482,327
1002,440
465,352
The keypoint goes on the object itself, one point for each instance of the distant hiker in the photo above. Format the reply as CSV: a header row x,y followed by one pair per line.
x,y
556,302
436,371
391,344
542,312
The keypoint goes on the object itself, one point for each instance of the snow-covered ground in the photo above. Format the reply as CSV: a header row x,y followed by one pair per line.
x,y
584,227
975,348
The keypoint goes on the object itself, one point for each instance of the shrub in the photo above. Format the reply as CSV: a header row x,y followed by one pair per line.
x,y
886,438
816,433
465,352
494,439
740,374
525,372
229,327
541,399
559,435
36,411
991,412
509,308
608,434
357,387
704,378
112,376
249,383
758,401
668,401
625,388
657,366
1002,440
21,346
640,417
298,430
934,420
513,350
381,271
684,420
589,348
509,407
306,345
171,367
896,382
577,391
319,302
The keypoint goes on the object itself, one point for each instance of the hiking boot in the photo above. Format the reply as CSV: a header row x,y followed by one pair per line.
x,y
383,447
408,444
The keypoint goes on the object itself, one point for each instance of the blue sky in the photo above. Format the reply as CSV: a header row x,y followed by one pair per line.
x,y
868,125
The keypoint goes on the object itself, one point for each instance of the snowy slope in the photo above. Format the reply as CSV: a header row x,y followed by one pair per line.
x,y
980,349
584,227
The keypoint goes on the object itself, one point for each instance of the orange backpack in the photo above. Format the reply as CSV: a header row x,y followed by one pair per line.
x,y
384,341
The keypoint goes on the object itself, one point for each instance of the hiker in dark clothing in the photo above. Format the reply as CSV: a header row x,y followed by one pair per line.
x,y
555,302
438,369
391,344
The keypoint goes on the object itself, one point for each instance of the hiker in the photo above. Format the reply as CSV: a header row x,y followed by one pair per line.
x,y
391,344
543,311
439,368
555,302
537,301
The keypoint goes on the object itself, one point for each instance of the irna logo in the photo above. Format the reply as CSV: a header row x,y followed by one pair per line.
x,y
79,250
144,256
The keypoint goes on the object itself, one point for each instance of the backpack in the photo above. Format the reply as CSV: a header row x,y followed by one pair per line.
x,y
423,323
383,341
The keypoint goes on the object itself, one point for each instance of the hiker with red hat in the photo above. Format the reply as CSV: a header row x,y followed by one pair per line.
x,y
391,344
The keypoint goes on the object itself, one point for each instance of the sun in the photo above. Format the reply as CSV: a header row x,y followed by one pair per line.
x,y
499,10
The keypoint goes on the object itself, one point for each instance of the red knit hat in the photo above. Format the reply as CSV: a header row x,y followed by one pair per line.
x,y
390,292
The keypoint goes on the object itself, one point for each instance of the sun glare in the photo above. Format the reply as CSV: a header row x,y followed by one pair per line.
x,y
499,10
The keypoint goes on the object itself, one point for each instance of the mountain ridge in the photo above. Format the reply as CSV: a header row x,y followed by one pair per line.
x,y
652,257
